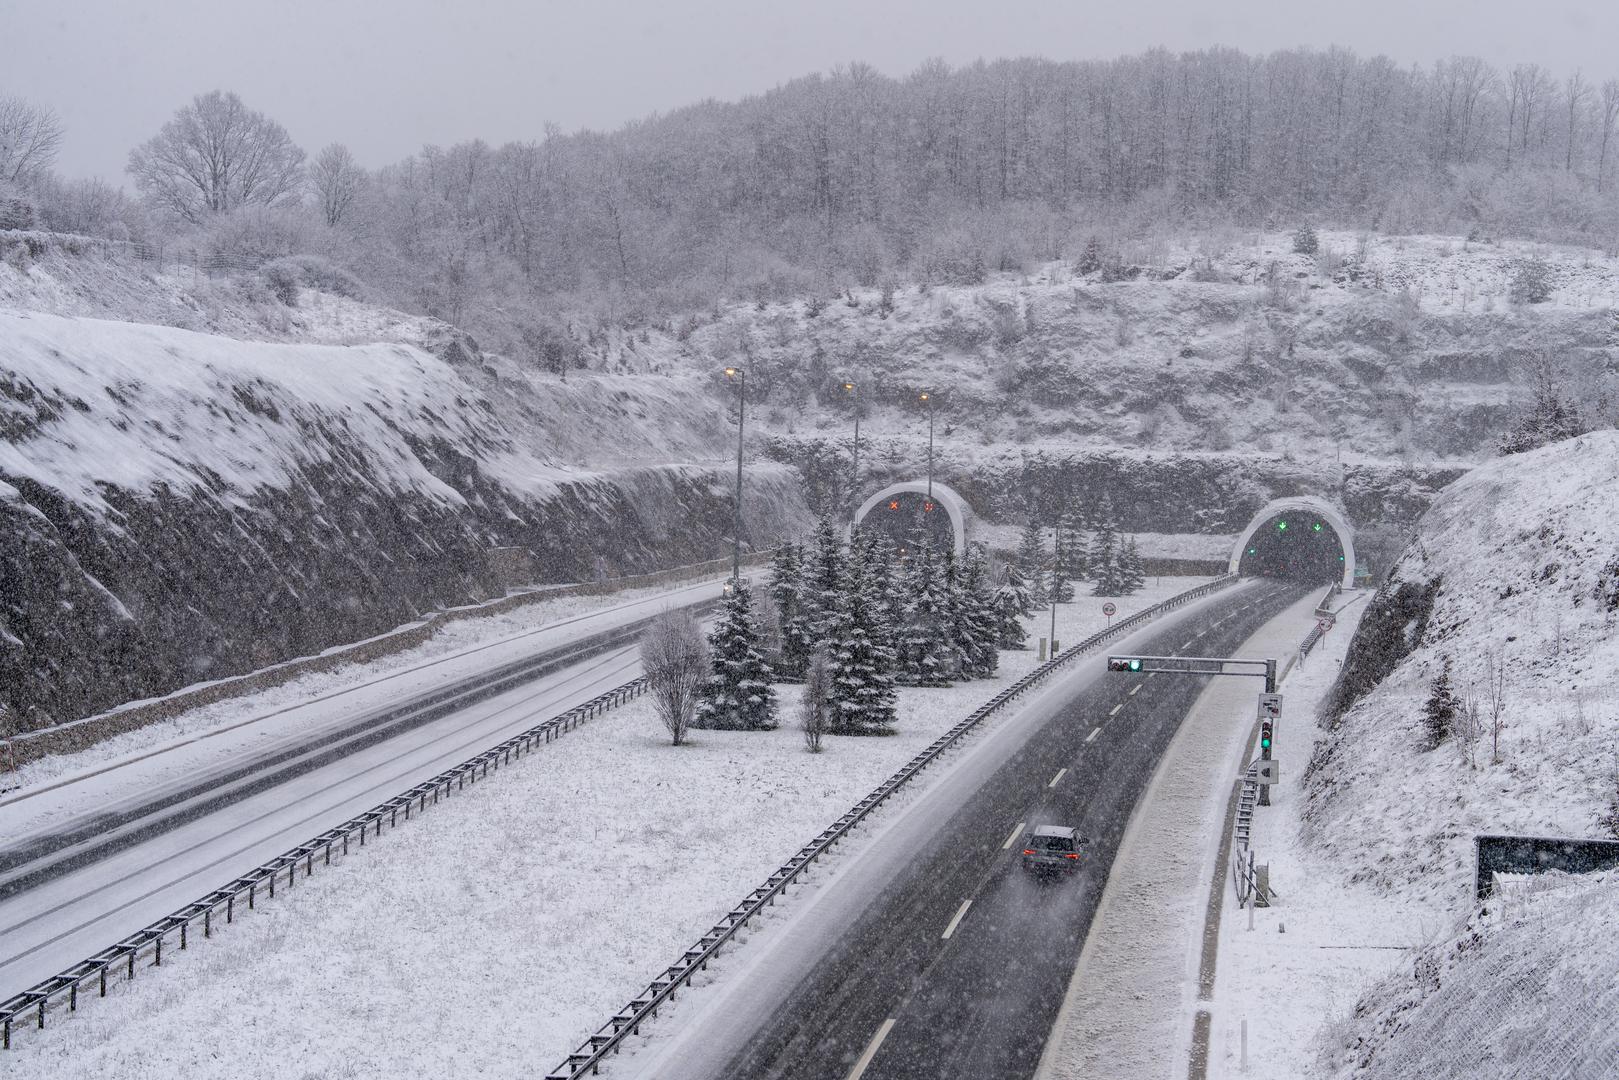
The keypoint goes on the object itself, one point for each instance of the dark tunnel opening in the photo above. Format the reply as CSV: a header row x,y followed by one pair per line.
x,y
901,515
1295,546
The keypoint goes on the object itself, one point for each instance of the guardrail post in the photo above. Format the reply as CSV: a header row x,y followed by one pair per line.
x,y
208,923
183,936
157,953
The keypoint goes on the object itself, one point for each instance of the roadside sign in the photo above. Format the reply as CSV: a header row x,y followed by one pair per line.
x,y
1268,772
1270,705
1109,609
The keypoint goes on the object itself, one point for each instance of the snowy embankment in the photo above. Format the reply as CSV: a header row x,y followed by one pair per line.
x,y
504,926
1512,571
177,507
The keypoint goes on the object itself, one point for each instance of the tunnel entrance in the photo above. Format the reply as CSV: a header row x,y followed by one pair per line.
x,y
899,510
1295,545
903,516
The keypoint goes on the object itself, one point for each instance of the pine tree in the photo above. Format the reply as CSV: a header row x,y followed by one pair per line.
x,y
738,694
1104,558
1132,574
981,628
1439,713
861,695
822,575
1076,546
1031,564
787,592
926,653
1011,606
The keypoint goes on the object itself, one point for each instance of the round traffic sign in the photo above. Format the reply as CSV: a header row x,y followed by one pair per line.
x,y
1109,610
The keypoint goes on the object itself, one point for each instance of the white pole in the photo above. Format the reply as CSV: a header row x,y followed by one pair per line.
x,y
1245,1044
1253,902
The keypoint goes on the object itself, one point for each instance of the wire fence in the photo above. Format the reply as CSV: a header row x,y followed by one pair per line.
x,y
627,1021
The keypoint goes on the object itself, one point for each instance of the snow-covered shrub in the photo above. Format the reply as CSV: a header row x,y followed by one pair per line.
x,y
282,278
16,212
675,659
1551,418
287,275
815,709
1305,241
1531,282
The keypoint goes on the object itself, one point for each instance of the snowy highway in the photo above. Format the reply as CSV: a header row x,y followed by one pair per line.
x,y
957,967
92,858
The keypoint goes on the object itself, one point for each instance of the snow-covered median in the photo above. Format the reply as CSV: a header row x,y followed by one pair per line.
x,y
499,930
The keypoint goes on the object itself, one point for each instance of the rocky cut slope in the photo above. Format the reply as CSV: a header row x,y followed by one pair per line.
x,y
1512,585
177,506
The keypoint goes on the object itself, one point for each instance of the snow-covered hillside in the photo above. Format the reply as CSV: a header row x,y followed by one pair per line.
x,y
177,506
1514,572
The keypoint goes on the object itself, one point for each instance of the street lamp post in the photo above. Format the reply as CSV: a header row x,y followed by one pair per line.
x,y
1056,569
736,519
854,472
927,399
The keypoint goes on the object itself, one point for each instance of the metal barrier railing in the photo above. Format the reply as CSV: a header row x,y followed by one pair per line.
x,y
178,925
644,1006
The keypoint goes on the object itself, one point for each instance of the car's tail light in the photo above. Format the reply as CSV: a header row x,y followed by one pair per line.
x,y
1028,851
1071,855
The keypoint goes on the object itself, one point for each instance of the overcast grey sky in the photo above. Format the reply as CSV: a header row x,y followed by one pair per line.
x,y
387,76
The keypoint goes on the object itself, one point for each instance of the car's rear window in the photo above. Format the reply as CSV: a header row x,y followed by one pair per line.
x,y
1052,843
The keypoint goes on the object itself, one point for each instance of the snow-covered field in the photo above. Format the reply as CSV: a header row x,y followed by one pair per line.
x,y
502,928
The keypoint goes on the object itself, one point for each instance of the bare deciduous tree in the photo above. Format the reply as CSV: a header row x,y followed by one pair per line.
x,y
1495,692
674,655
216,154
337,180
30,136
815,709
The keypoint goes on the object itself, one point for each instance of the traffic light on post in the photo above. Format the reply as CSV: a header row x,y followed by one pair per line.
x,y
1265,733
1124,663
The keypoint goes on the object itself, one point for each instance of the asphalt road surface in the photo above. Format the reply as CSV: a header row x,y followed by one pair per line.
x,y
959,969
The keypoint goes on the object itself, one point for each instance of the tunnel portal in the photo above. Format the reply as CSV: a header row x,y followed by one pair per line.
x,y
1296,546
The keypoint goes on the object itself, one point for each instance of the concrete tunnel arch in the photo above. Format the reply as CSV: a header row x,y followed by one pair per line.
x,y
1309,505
960,513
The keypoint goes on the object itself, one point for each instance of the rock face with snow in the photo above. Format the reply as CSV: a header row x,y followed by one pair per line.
x,y
1514,572
177,506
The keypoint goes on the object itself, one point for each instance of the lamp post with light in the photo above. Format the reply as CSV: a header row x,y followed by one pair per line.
x,y
927,399
853,390
736,520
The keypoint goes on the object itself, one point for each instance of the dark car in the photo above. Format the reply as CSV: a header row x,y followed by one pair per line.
x,y
1052,849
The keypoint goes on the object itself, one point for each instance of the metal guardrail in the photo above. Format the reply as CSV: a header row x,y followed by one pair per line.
x,y
644,1006
177,926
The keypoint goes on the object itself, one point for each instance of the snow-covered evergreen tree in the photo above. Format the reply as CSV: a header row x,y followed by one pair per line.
x,y
1031,564
738,694
979,631
1075,546
926,652
1011,606
1132,574
1104,558
1439,711
798,637
861,695
822,575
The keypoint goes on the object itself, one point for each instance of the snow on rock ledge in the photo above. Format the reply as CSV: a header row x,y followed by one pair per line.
x,y
177,506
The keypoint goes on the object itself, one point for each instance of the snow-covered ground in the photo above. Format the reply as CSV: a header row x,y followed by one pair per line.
x,y
507,924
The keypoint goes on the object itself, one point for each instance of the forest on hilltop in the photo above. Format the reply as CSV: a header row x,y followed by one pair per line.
x,y
853,177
